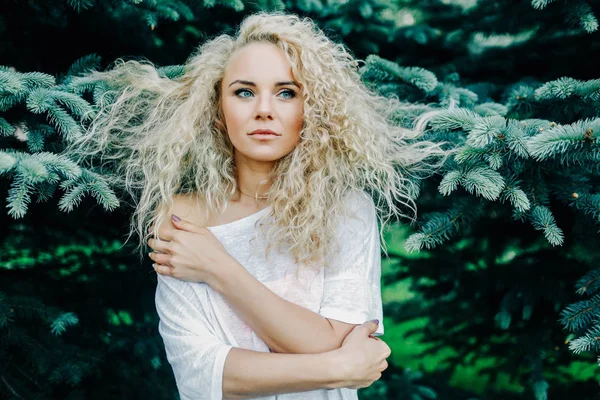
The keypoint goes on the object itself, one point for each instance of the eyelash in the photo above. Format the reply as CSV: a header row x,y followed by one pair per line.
x,y
291,92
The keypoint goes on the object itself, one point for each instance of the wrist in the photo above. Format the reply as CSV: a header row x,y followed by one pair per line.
x,y
221,273
335,366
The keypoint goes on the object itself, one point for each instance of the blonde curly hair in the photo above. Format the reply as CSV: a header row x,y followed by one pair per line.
x,y
168,136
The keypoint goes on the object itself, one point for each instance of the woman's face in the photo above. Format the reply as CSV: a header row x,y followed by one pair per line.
x,y
259,91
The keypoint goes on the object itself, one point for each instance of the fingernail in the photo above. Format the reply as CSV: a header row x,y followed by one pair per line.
x,y
175,218
375,320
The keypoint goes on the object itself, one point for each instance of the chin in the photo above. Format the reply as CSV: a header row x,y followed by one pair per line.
x,y
263,156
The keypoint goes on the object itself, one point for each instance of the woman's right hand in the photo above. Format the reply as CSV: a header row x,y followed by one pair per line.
x,y
362,357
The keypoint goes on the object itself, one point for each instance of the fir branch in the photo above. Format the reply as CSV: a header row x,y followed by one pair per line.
x,y
45,191
84,65
542,219
540,4
36,137
379,70
566,88
82,84
171,71
16,86
19,196
102,93
310,6
81,5
184,10
454,118
167,12
561,139
580,315
37,80
10,83
450,182
468,154
589,283
49,101
6,129
62,322
515,139
540,389
588,342
581,14
87,183
489,109
452,97
517,198
59,164
477,179
439,227
75,104
494,159
434,232
485,130
504,317
7,162
32,169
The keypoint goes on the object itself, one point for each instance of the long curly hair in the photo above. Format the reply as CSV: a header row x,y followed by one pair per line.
x,y
168,136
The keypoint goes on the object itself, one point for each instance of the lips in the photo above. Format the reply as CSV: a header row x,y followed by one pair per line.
x,y
263,132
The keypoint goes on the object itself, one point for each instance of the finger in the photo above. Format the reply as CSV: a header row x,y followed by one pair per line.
x,y
164,233
163,269
160,258
184,225
159,245
371,326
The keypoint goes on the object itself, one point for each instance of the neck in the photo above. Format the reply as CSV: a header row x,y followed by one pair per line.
x,y
252,181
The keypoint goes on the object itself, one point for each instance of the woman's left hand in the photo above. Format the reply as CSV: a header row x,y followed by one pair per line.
x,y
188,253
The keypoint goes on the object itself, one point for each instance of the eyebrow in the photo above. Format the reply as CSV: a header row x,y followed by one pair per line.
x,y
249,83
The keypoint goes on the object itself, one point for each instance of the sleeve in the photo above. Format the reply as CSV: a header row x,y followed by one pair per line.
x,y
352,276
196,354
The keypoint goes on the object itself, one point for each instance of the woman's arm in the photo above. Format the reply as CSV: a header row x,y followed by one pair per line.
x,y
284,326
351,291
356,364
250,374
207,368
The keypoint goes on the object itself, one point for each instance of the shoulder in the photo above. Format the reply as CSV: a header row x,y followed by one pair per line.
x,y
358,214
359,204
188,206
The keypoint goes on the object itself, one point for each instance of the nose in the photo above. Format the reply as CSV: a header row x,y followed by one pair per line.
x,y
264,108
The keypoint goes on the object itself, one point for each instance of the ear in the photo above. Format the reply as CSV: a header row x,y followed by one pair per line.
x,y
184,225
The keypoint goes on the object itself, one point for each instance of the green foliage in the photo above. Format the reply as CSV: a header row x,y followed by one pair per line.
x,y
508,224
57,330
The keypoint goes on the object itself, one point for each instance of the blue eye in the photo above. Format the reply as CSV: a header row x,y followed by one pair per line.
x,y
289,94
240,91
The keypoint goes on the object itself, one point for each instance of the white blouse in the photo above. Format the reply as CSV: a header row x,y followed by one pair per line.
x,y
198,327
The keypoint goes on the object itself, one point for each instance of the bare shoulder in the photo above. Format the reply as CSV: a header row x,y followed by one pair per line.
x,y
186,206
190,207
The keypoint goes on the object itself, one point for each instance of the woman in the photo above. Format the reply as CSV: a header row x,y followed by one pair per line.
x,y
252,170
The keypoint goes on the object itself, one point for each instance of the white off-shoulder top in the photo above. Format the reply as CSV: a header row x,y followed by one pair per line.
x,y
199,327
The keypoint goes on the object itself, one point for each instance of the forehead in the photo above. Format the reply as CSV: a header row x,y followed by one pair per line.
x,y
258,61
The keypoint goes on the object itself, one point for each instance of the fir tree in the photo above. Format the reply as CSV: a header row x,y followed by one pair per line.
x,y
501,259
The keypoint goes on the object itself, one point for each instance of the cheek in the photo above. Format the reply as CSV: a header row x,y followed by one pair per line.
x,y
232,116
298,120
